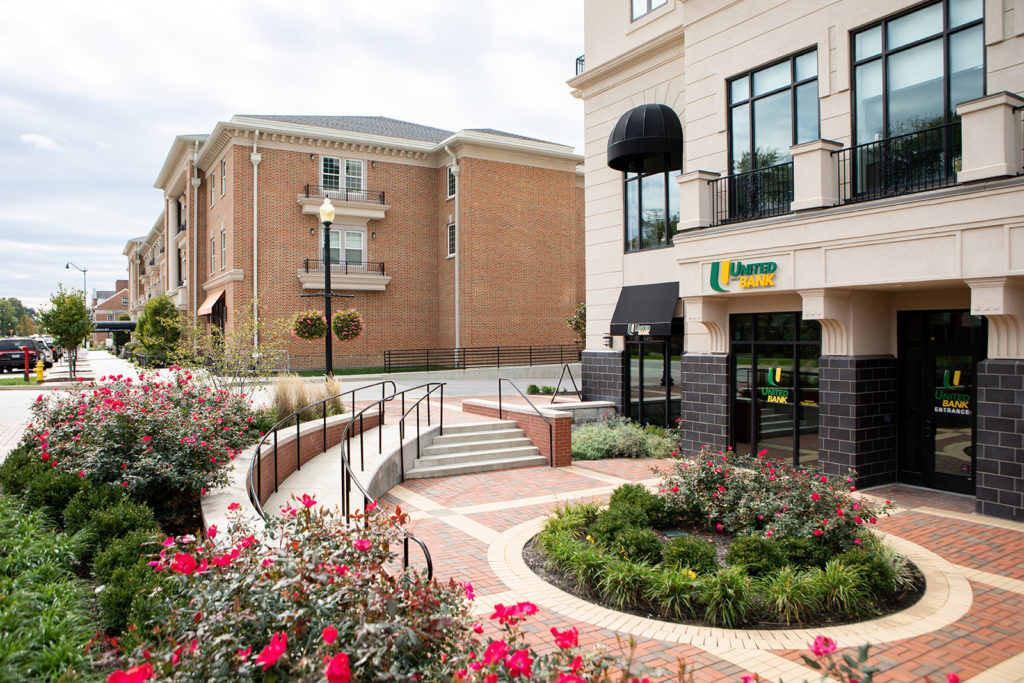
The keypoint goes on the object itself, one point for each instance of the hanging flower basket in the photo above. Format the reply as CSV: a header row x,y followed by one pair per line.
x,y
309,325
347,325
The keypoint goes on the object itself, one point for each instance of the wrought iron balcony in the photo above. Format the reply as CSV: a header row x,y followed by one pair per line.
x,y
581,64
312,265
747,196
344,194
183,226
924,160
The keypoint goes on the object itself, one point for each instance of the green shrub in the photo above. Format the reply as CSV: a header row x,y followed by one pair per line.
x,y
761,556
109,523
660,446
879,575
687,552
547,390
673,591
39,484
903,571
629,441
591,442
560,546
586,566
615,438
133,548
613,520
790,595
841,588
126,585
622,583
87,501
533,390
639,545
638,496
727,596
18,470
804,552
574,517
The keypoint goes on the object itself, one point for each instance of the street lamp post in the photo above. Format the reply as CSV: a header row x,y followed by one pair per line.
x,y
327,217
85,291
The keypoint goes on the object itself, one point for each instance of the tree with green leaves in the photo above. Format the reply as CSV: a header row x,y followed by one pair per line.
x,y
159,326
11,313
68,320
577,322
27,326
121,337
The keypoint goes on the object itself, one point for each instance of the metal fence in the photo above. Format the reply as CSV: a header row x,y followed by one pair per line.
x,y
479,357
312,265
345,194
754,194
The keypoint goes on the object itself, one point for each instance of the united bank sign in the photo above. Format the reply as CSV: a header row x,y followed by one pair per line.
x,y
727,274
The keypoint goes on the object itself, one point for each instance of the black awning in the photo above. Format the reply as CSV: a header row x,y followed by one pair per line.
x,y
646,310
647,139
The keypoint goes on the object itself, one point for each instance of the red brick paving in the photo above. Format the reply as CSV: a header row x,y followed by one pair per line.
x,y
490,487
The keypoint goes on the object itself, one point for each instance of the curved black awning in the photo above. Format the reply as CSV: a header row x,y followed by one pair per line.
x,y
114,326
646,310
647,139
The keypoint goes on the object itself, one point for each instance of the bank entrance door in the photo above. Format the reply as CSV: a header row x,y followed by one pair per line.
x,y
939,352
653,380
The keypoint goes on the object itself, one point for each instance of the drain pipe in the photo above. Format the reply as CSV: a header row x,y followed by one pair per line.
x,y
255,158
455,172
196,182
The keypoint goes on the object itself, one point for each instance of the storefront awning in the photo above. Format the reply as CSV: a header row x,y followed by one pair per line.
x,y
211,301
646,310
647,139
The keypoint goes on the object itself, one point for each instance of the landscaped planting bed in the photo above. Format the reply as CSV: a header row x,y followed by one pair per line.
x,y
730,543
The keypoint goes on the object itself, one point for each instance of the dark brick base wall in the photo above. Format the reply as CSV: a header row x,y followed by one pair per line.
x,y
1000,439
705,402
857,417
602,377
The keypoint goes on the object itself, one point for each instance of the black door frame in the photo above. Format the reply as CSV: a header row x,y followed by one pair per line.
x,y
665,345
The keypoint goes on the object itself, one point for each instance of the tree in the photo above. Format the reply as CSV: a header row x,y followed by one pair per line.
x,y
11,313
578,324
27,326
159,326
121,337
68,320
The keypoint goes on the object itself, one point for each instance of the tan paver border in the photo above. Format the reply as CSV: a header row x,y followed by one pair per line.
x,y
947,598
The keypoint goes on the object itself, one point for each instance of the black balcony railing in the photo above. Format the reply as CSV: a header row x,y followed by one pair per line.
x,y
313,265
345,194
581,64
152,262
924,160
183,226
754,194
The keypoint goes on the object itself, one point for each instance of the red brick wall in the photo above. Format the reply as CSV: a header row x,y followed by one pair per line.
x,y
537,431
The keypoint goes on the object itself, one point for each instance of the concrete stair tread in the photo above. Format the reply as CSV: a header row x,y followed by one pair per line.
x,y
479,426
474,446
526,450
489,435
419,472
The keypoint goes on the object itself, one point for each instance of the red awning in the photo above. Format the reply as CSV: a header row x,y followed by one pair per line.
x,y
211,301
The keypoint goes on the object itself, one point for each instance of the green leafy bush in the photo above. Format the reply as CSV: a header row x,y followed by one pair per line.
x,y
586,566
879,575
804,552
727,596
87,501
841,588
673,591
638,545
533,390
613,520
622,583
760,556
616,438
790,595
639,497
687,552
37,482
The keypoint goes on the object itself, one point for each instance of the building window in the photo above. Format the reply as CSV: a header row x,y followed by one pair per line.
x,y
353,246
223,176
223,249
652,209
451,240
911,70
353,175
124,301
213,253
771,109
451,182
642,7
330,173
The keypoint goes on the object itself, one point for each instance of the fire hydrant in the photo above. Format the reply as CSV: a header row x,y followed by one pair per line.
x,y
39,371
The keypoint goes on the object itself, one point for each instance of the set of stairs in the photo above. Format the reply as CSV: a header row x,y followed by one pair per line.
x,y
480,447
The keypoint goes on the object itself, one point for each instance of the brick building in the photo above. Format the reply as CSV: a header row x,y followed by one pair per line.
x,y
443,239
804,232
109,305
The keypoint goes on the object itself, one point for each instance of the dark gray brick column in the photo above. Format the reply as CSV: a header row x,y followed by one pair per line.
x,y
705,402
602,377
1000,439
857,417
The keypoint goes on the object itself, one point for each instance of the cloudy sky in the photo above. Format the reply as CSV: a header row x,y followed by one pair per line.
x,y
93,93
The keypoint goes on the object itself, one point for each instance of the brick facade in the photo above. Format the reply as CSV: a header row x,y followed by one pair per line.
x,y
705,402
1000,439
110,308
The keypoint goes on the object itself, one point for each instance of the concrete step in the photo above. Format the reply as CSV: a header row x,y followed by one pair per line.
x,y
479,426
521,450
420,472
494,434
475,445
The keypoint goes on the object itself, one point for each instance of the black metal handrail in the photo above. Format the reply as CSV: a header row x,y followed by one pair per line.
x,y
581,64
430,387
312,265
344,194
746,196
461,358
551,438
566,368
913,162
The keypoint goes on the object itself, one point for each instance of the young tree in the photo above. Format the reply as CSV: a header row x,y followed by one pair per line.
x,y
121,337
68,320
27,326
159,326
577,322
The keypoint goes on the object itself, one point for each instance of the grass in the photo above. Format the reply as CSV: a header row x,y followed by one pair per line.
x,y
18,381
368,371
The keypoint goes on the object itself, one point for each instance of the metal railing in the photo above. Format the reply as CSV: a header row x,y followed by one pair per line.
x,y
566,368
430,387
924,160
501,416
254,478
183,226
479,357
753,194
581,64
312,265
345,194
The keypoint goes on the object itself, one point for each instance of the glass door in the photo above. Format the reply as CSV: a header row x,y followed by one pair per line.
x,y
776,401
652,371
948,432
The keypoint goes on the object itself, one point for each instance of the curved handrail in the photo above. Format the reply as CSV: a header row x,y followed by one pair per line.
x,y
551,440
565,367
431,387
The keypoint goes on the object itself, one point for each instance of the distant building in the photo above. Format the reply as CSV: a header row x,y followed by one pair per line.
x,y
109,305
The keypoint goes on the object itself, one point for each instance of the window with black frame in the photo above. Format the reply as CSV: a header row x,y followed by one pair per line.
x,y
771,108
652,209
909,73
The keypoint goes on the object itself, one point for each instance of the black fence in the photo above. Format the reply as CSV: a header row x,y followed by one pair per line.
x,y
760,193
479,357
914,162
345,194
313,265
581,64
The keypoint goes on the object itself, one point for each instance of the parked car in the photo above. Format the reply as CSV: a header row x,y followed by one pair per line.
x,y
12,357
45,352
53,351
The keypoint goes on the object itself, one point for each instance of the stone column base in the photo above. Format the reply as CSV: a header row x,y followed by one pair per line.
x,y
1000,439
705,402
602,377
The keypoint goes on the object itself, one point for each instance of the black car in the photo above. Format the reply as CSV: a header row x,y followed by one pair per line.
x,y
12,357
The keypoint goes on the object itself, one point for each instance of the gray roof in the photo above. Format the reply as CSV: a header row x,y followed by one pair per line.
x,y
492,131
195,136
371,125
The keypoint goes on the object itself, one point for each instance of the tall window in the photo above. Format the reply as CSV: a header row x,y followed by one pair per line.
x,y
353,175
223,176
911,70
652,209
352,251
213,187
213,253
333,170
124,301
771,109
330,173
223,249
451,240
451,182
642,7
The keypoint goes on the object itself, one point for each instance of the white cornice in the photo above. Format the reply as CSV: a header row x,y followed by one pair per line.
x,y
236,275
592,76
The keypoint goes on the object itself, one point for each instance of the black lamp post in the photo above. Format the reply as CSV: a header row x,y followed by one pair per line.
x,y
327,217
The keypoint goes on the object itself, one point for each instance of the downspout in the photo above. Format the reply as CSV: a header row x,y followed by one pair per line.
x,y
455,172
255,158
196,182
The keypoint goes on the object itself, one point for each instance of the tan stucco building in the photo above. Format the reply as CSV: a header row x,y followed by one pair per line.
x,y
805,232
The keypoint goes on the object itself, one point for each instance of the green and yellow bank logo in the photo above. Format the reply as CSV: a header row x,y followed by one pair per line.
x,y
772,393
749,275
951,398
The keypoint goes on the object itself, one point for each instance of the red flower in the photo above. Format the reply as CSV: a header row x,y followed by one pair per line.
x,y
247,541
467,588
234,506
950,678
361,544
815,496
566,639
674,489
271,653
817,532
184,563
823,646
330,634
478,627
147,438
337,670
132,675
519,664
307,501
244,654
495,652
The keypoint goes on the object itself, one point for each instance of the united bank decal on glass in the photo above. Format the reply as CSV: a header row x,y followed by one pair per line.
x,y
950,398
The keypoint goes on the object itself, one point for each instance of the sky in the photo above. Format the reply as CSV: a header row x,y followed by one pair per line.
x,y
93,93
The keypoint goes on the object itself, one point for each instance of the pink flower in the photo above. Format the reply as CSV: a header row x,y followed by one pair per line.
x,y
244,654
361,544
817,532
478,627
247,541
519,664
952,678
749,679
184,563
81,473
147,438
467,588
307,501
372,505
271,653
337,670
234,506
674,489
212,531
823,646
718,526
856,541
132,675
815,496
566,639
495,652
267,562
330,634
